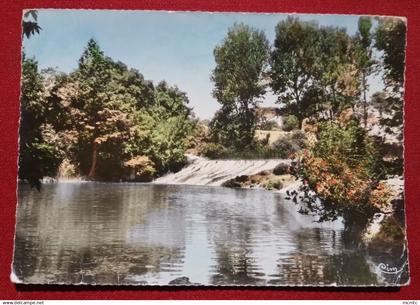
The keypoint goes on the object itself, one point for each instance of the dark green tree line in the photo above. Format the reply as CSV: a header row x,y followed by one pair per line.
x,y
106,120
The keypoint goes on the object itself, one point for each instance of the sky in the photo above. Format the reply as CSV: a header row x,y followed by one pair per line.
x,y
172,46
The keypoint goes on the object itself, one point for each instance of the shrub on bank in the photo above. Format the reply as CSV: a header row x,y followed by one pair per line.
x,y
291,122
344,170
290,144
273,185
213,151
268,125
140,168
281,169
282,149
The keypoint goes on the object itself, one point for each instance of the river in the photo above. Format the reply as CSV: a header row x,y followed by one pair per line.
x,y
133,233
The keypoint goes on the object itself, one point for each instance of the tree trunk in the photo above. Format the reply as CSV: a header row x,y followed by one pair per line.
x,y
365,115
95,147
299,113
249,123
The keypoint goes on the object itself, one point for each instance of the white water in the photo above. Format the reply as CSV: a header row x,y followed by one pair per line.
x,y
202,171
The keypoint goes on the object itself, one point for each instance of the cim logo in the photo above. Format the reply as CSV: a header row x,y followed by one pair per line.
x,y
385,268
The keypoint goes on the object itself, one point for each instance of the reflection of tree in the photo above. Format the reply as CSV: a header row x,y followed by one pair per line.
x,y
70,233
320,259
302,269
25,257
235,266
232,238
349,269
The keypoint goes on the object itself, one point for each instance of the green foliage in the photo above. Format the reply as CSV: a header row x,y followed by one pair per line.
x,y
37,158
391,39
284,148
169,143
101,116
231,128
213,151
344,169
268,125
281,169
290,144
307,62
351,144
273,185
291,122
364,59
240,63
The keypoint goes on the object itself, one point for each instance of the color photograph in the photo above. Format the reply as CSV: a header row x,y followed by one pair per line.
x,y
211,149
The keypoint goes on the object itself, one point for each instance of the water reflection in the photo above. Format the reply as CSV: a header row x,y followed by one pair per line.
x,y
154,234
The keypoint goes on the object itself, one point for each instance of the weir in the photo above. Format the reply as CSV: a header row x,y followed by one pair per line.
x,y
201,171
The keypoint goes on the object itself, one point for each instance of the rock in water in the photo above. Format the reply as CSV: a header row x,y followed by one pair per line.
x,y
183,280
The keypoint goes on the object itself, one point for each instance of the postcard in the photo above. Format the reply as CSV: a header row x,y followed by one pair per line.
x,y
211,149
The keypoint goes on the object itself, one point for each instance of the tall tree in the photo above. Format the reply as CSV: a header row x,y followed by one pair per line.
x,y
100,102
308,64
332,61
37,158
293,62
364,59
391,39
241,60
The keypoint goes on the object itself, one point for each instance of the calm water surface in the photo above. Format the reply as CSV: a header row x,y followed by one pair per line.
x,y
108,233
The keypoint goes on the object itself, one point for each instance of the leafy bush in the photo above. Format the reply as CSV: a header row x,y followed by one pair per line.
x,y
235,182
282,149
213,151
290,144
273,185
141,167
291,122
351,144
281,169
268,125
344,172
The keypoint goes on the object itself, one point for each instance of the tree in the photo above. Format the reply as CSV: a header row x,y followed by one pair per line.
x,y
92,103
293,63
241,60
172,100
109,119
345,170
333,60
34,155
391,39
37,158
307,62
364,59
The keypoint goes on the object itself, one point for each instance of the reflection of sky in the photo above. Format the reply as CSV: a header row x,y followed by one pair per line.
x,y
177,47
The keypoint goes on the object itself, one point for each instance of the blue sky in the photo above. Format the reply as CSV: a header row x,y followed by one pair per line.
x,y
172,46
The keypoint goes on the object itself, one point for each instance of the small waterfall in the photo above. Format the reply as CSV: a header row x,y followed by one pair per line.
x,y
202,171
